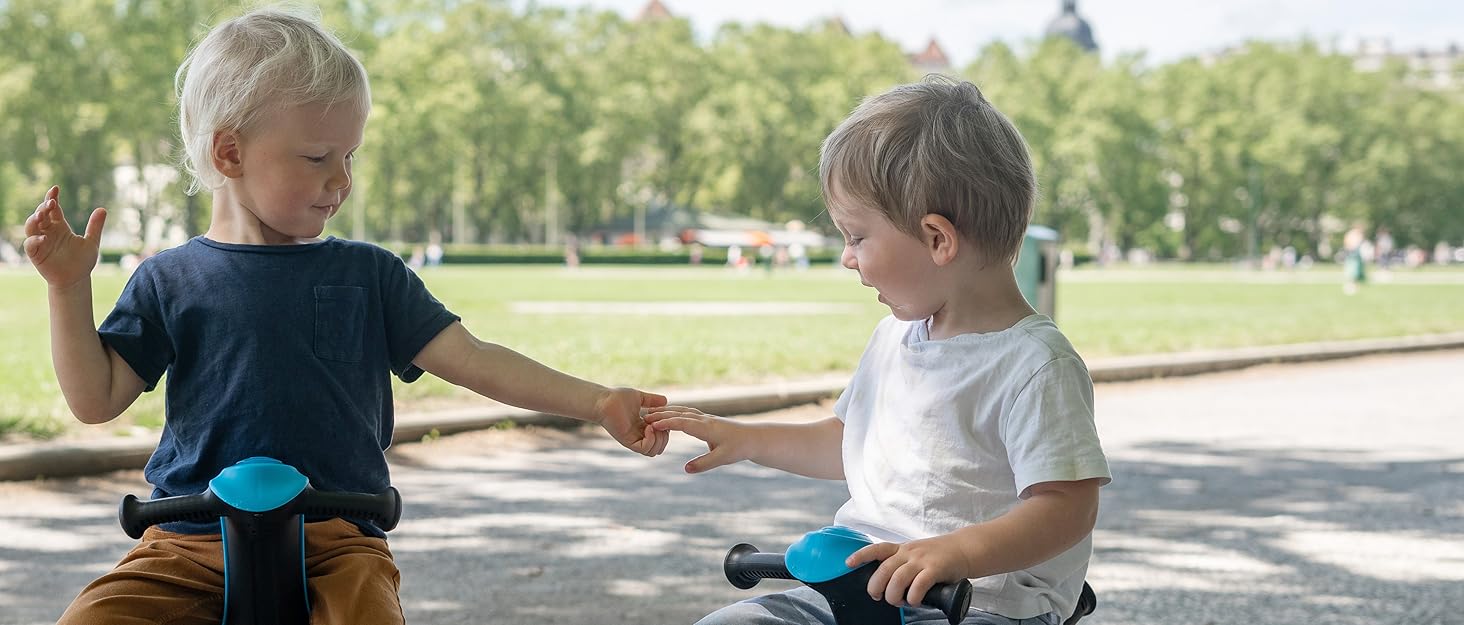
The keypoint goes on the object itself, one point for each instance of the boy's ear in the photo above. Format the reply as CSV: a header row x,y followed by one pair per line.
x,y
940,237
226,154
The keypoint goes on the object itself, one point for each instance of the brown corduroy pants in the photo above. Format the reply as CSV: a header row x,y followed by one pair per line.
x,y
178,579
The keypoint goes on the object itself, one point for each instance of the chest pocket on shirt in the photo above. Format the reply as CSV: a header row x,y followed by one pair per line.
x,y
340,322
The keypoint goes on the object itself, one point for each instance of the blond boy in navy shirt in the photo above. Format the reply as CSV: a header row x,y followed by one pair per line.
x,y
276,342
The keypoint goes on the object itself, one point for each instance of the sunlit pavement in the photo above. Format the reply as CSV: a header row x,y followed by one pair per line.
x,y
1319,493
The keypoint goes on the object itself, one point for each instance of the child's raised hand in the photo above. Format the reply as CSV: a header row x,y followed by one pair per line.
x,y
619,412
910,569
58,254
723,436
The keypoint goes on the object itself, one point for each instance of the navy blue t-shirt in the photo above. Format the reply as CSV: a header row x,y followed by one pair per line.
x,y
284,351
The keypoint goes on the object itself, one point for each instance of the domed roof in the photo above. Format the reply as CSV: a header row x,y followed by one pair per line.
x,y
1073,27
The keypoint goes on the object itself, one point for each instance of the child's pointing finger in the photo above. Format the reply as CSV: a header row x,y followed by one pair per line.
x,y
690,425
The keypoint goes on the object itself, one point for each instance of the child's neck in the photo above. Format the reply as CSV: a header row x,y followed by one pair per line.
x,y
991,302
234,223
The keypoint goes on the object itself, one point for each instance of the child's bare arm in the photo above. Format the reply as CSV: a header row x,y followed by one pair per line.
x,y
809,449
502,374
1056,516
97,383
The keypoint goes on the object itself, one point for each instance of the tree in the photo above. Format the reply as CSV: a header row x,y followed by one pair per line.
x,y
495,121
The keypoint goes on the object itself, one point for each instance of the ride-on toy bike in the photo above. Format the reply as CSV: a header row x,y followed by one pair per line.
x,y
261,505
817,560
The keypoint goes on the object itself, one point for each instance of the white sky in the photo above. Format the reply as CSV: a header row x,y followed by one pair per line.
x,y
1166,29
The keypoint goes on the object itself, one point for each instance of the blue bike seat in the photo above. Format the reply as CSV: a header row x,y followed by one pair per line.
x,y
819,556
258,484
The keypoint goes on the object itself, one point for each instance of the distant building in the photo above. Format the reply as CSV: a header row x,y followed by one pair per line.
x,y
1436,69
836,24
666,224
932,59
142,217
653,10
1439,69
1070,25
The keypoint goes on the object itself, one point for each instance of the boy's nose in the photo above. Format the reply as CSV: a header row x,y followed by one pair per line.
x,y
340,181
846,258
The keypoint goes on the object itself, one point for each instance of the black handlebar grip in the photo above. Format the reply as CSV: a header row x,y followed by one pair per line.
x,y
384,509
136,515
952,599
745,566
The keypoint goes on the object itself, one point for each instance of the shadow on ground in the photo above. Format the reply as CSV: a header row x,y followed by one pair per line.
x,y
1188,533
1213,535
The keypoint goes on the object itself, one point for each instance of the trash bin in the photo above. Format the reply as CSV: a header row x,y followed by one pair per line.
x,y
1036,269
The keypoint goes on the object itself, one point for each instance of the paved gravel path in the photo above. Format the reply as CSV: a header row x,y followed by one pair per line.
x,y
1318,493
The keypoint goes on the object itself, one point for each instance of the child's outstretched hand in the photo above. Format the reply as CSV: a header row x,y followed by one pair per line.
x,y
58,254
619,412
910,569
724,437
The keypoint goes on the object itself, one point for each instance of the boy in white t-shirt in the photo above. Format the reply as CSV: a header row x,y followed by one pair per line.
x,y
966,435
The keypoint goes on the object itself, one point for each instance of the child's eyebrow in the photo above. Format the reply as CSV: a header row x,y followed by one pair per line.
x,y
329,146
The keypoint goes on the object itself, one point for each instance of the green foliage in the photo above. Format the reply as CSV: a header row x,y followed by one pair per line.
x,y
1266,146
500,122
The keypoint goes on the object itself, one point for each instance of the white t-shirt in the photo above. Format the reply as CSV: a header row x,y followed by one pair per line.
x,y
941,435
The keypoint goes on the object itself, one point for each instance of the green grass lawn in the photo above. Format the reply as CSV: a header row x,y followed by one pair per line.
x,y
1105,312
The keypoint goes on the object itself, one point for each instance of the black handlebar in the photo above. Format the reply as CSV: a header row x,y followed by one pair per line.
x,y
137,515
953,600
383,509
745,566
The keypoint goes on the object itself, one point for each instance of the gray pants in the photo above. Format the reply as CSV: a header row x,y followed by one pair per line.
x,y
804,606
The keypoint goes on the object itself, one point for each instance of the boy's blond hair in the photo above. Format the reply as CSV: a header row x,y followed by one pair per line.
x,y
253,65
935,147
